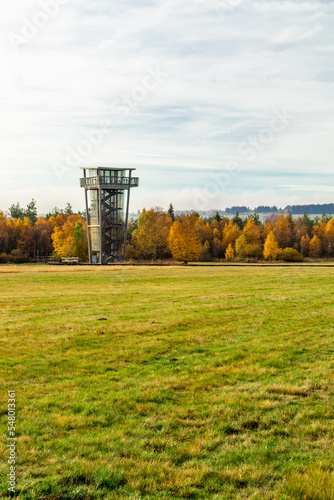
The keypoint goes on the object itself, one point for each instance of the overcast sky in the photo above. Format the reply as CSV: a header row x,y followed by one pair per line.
x,y
214,102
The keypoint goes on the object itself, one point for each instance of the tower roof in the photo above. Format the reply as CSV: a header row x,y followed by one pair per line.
x,y
107,168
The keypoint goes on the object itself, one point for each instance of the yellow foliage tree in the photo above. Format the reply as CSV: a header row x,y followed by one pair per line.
x,y
271,247
231,233
330,237
183,240
150,239
315,247
70,239
241,246
229,254
252,231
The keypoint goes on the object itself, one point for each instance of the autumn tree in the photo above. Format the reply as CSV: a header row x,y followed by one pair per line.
x,y
26,241
301,235
231,233
150,239
283,231
203,231
252,231
241,247
183,240
57,220
315,247
319,230
269,226
69,238
216,244
330,237
271,247
229,254
305,245
12,235
205,255
3,232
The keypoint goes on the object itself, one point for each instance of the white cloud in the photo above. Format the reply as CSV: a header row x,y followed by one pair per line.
x,y
322,189
226,76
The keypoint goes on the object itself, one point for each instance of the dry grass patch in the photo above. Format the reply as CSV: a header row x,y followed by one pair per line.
x,y
313,484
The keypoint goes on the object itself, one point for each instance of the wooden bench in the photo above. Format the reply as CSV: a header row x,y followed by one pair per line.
x,y
70,260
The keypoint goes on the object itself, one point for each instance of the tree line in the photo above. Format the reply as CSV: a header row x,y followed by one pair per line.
x,y
24,236
158,235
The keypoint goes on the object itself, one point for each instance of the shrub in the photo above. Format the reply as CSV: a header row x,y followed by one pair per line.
x,y
290,255
131,252
3,258
17,257
254,250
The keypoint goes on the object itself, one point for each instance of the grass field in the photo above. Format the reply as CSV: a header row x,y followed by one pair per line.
x,y
169,383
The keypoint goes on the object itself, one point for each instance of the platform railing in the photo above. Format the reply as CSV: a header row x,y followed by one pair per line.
x,y
109,181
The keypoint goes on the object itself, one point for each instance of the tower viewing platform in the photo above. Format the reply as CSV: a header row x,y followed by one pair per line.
x,y
103,179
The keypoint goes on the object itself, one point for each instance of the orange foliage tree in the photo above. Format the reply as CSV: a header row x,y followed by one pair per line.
x,y
283,231
252,231
304,245
70,239
149,241
315,247
231,233
319,230
183,240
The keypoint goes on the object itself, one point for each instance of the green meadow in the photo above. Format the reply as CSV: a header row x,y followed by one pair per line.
x,y
182,382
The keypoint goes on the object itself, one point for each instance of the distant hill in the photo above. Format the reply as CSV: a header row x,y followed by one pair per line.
x,y
326,208
264,209
319,209
241,210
